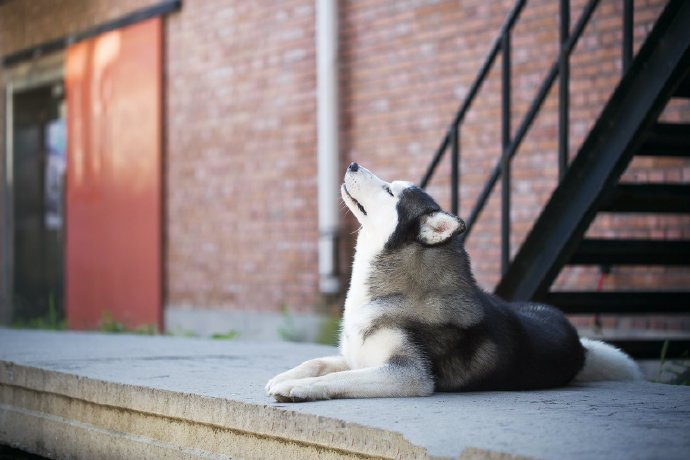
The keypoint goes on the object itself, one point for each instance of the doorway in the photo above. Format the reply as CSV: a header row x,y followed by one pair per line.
x,y
83,181
37,204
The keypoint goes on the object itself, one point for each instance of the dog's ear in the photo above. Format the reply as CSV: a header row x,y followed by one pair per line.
x,y
438,227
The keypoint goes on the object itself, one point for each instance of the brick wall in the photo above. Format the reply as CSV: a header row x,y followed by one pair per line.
x,y
240,143
240,163
241,169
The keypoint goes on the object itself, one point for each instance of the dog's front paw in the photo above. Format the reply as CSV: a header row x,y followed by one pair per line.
x,y
278,379
270,384
298,391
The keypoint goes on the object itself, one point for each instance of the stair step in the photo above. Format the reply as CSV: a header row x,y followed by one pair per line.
x,y
641,302
649,198
667,139
628,119
652,348
631,252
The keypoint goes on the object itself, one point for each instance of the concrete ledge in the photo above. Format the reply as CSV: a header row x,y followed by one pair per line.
x,y
79,395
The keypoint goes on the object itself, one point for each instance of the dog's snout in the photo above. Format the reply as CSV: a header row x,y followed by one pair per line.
x,y
353,167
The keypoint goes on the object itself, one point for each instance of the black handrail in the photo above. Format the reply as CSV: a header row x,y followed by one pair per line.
x,y
474,89
529,116
560,68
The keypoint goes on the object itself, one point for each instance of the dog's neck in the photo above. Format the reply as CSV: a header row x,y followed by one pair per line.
x,y
367,248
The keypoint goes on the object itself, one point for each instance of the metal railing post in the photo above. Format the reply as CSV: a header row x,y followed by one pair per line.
x,y
627,51
563,90
505,157
455,169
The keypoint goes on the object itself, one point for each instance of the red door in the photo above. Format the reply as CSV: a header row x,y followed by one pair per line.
x,y
113,209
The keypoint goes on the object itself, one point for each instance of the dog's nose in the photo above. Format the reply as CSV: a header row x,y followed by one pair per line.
x,y
353,167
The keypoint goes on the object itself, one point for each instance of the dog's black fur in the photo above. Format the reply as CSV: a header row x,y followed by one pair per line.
x,y
468,339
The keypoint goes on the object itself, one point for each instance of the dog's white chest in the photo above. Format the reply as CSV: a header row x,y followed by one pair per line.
x,y
378,346
374,350
363,348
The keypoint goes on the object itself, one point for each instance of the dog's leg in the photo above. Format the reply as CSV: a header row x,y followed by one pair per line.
x,y
388,380
311,368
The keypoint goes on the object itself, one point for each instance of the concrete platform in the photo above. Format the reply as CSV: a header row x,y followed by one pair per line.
x,y
81,395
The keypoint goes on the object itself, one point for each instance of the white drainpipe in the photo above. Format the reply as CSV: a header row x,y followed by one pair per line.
x,y
328,142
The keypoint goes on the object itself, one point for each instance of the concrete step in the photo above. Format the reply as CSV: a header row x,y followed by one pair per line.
x,y
83,395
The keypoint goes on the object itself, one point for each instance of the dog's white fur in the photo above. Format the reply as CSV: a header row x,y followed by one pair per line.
x,y
606,362
361,370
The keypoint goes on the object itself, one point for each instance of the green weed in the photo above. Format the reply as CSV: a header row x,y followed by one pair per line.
x,y
677,370
232,334
50,321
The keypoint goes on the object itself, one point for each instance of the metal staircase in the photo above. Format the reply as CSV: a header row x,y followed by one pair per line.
x,y
627,127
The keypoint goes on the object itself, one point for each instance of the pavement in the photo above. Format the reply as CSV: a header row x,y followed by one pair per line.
x,y
89,395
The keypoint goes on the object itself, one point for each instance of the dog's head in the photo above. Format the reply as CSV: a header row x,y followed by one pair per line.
x,y
398,212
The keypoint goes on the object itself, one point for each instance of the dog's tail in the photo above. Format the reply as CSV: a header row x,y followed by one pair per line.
x,y
606,362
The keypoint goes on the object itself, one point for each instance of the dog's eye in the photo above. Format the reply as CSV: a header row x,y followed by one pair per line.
x,y
388,189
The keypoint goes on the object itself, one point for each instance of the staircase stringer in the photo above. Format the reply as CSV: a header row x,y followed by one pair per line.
x,y
656,72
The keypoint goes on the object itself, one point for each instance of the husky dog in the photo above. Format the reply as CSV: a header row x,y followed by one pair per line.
x,y
416,321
